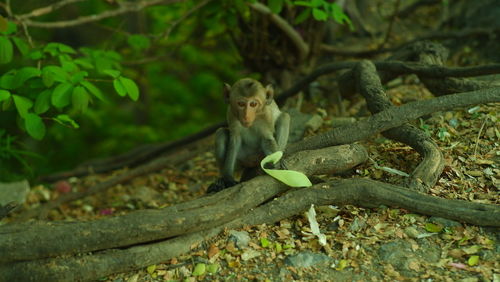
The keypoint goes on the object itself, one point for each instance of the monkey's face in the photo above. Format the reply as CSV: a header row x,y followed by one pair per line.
x,y
247,110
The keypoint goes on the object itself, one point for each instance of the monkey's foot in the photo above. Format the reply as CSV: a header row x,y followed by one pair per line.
x,y
220,184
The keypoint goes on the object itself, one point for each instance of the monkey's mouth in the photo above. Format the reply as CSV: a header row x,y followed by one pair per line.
x,y
246,124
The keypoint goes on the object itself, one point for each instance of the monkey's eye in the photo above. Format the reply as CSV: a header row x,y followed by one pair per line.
x,y
241,104
253,104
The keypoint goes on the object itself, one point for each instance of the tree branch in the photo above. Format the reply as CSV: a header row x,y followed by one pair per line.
x,y
393,117
47,9
125,7
287,29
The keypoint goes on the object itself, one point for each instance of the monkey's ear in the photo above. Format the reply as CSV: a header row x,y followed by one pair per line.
x,y
269,94
226,91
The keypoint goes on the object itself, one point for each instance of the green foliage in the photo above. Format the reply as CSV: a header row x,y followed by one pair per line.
x,y
322,10
13,157
60,82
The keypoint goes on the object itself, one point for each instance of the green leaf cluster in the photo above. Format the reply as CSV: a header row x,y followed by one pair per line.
x,y
54,78
322,10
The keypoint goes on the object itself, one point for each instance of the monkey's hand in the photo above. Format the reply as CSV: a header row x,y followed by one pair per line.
x,y
281,164
221,184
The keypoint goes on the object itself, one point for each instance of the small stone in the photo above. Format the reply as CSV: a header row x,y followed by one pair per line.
x,y
307,259
14,192
412,232
250,254
240,238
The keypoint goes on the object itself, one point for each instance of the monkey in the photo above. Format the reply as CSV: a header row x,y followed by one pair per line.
x,y
256,128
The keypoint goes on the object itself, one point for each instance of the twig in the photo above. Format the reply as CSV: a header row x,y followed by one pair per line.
x,y
125,7
478,136
391,23
27,34
47,9
8,10
282,24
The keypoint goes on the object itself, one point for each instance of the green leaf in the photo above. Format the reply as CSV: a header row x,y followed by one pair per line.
x,y
35,126
339,16
289,177
24,74
303,3
342,264
138,42
304,15
66,120
473,260
51,48
113,73
278,247
69,66
11,28
4,95
264,242
213,268
4,24
80,98
60,96
92,89
431,227
275,5
57,74
6,50
23,104
318,3
6,104
130,87
151,269
36,55
319,14
119,88
42,102
48,78
78,77
65,48
84,63
21,45
199,269
7,80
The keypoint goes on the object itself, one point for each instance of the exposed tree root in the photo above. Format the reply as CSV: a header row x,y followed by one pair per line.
x,y
430,168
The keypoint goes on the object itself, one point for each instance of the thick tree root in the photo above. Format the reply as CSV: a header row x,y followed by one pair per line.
x,y
430,168
17,240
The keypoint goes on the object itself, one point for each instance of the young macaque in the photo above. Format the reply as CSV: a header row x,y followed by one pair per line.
x,y
256,128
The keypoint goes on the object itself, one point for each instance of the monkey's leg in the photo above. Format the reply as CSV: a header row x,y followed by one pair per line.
x,y
221,152
221,142
250,172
